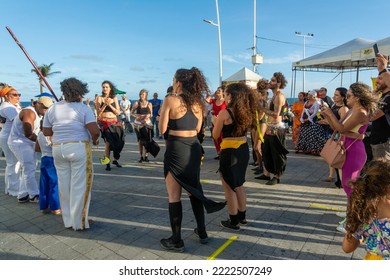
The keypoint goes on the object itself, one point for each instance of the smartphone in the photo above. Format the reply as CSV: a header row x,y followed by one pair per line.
x,y
324,104
376,50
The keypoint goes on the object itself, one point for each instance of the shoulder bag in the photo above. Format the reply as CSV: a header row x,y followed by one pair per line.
x,y
333,151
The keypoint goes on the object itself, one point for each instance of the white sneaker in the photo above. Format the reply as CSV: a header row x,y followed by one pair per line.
x,y
341,228
341,214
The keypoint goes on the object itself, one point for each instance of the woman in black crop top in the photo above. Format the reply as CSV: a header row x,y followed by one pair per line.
x,y
234,123
142,112
182,114
107,110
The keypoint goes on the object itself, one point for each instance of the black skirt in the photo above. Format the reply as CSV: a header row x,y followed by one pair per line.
x,y
274,152
182,158
233,164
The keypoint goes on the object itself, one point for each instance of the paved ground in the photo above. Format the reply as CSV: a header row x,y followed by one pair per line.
x,y
291,220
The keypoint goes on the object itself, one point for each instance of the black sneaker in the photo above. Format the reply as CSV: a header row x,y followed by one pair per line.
x,y
203,238
263,177
115,162
35,198
243,222
141,160
108,167
146,159
24,199
228,225
168,244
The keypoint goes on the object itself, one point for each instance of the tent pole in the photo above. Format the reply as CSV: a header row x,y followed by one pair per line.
x,y
357,72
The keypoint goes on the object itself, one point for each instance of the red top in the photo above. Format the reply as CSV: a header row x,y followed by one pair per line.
x,y
216,108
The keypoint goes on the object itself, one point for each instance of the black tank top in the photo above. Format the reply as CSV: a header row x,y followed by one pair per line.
x,y
107,109
187,122
335,109
143,110
227,129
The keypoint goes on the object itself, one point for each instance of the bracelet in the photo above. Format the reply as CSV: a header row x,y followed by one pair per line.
x,y
383,71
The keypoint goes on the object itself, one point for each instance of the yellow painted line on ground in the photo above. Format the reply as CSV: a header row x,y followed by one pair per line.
x,y
326,207
223,247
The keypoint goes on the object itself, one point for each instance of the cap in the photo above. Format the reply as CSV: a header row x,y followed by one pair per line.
x,y
5,90
46,101
312,92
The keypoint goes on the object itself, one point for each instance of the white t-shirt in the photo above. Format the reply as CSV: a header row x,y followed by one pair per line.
x,y
125,103
68,121
45,145
17,132
9,112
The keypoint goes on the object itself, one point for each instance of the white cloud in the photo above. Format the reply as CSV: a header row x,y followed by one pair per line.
x,y
229,58
284,59
137,69
86,57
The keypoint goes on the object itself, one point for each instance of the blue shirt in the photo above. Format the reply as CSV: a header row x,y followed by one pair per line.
x,y
155,108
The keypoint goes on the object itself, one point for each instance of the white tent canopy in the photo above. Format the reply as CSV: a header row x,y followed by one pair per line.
x,y
244,75
347,56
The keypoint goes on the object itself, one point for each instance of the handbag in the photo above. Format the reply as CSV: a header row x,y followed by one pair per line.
x,y
151,146
334,151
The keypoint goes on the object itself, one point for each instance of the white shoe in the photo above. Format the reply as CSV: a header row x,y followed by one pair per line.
x,y
341,228
341,214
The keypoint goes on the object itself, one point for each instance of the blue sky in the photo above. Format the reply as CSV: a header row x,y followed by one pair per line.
x,y
140,43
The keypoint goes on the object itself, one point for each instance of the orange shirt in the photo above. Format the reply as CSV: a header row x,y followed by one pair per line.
x,y
297,109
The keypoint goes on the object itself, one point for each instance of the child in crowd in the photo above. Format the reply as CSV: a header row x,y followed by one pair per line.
x,y
368,214
48,182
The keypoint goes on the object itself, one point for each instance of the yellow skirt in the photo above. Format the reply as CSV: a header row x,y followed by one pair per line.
x,y
372,257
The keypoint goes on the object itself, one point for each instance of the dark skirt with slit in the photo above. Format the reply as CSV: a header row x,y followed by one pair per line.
x,y
274,152
233,164
115,136
182,159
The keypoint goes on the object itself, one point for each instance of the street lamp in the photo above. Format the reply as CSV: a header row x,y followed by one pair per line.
x,y
304,51
219,41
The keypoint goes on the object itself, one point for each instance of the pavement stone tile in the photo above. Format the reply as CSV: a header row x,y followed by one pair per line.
x,y
130,208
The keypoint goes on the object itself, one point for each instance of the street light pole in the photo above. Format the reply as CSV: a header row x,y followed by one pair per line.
x,y
218,24
304,51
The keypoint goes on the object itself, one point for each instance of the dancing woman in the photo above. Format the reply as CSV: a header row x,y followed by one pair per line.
x,y
233,123
107,108
182,114
142,112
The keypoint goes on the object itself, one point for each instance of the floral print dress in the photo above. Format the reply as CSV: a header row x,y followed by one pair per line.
x,y
376,238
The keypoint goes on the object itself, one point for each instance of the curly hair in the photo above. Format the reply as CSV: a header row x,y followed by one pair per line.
x,y
112,93
243,105
262,85
280,79
366,99
367,190
73,89
194,86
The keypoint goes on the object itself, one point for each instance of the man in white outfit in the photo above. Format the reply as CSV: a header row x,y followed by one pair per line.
x,y
21,142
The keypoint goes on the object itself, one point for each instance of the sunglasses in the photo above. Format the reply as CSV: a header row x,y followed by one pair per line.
x,y
15,94
349,95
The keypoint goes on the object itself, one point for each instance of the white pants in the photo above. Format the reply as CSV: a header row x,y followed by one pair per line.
x,y
73,162
24,152
12,170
